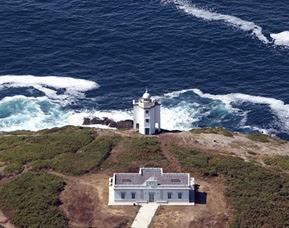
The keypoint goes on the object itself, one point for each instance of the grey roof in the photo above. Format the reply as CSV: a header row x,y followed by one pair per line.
x,y
152,174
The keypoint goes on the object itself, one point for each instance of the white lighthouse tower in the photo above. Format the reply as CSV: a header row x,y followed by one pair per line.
x,y
147,118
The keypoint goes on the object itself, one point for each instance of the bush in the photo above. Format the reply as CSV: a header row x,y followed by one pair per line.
x,y
13,169
259,196
259,137
144,151
191,158
277,161
217,130
86,159
32,200
41,146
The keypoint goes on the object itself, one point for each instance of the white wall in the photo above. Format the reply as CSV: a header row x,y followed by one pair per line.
x,y
140,117
160,195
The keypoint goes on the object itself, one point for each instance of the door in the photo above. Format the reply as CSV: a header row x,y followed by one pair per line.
x,y
151,197
147,131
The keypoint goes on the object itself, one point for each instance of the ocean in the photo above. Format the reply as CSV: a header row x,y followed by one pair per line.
x,y
210,63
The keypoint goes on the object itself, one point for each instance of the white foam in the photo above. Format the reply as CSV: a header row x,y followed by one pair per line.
x,y
36,113
278,107
50,84
207,15
76,118
26,113
180,117
281,38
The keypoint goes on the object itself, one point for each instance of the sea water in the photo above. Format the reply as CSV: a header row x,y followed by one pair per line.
x,y
210,63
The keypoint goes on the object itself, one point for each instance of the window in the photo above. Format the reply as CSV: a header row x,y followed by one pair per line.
x,y
147,111
180,195
175,180
122,195
147,120
126,181
169,195
133,195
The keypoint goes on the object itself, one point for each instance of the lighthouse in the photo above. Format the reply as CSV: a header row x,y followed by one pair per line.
x,y
146,115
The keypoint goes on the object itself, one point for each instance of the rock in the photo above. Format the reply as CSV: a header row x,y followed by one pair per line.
x,y
112,124
97,120
86,121
124,124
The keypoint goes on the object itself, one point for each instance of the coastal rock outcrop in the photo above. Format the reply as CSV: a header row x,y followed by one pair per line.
x,y
123,124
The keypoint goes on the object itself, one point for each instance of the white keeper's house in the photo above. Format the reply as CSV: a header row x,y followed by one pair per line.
x,y
151,185
146,115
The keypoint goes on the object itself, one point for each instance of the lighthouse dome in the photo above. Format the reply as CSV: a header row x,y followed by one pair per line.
x,y
146,95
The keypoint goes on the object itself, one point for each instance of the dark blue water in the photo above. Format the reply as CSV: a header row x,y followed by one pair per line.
x,y
127,46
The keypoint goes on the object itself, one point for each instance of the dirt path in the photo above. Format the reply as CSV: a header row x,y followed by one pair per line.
x,y
212,212
165,141
238,145
85,203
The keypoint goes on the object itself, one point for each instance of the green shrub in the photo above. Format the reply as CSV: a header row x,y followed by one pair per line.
x,y
86,159
32,200
191,158
277,161
41,146
217,130
144,151
13,169
259,196
259,137
40,165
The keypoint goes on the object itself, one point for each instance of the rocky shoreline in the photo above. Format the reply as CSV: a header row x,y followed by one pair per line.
x,y
123,124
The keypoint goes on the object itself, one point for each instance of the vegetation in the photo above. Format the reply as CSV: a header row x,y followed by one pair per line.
x,y
277,161
27,148
259,137
32,200
88,158
13,169
143,151
69,150
217,130
259,196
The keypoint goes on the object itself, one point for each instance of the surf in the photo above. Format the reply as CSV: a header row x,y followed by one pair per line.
x,y
279,39
50,85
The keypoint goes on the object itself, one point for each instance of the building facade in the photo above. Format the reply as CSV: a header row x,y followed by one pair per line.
x,y
147,118
152,185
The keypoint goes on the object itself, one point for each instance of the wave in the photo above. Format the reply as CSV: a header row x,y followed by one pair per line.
x,y
29,113
37,113
278,107
181,110
50,85
281,38
247,26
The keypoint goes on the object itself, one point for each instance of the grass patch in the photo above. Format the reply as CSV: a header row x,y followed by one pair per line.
x,y
88,158
277,161
259,137
143,151
259,196
191,158
31,200
13,169
43,145
217,130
